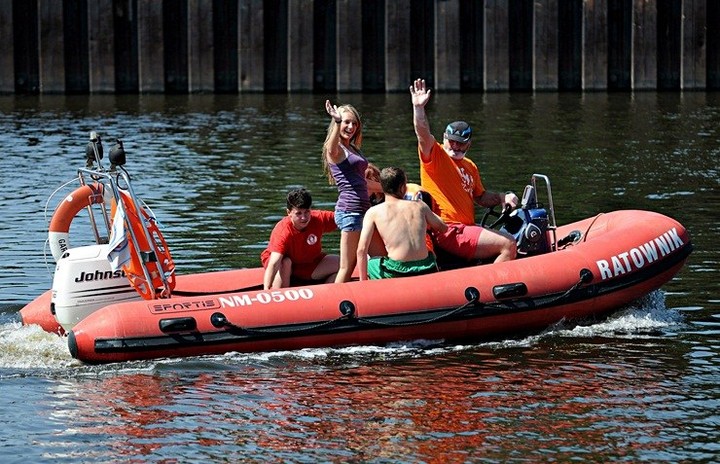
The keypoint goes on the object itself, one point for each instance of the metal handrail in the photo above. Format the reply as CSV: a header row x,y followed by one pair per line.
x,y
552,224
109,180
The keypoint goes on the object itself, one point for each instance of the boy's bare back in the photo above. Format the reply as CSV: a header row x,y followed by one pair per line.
x,y
402,225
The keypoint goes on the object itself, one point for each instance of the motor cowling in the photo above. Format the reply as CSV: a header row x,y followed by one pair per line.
x,y
529,227
84,282
533,238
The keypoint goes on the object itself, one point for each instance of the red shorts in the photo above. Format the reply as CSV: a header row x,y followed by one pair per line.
x,y
305,270
301,271
460,240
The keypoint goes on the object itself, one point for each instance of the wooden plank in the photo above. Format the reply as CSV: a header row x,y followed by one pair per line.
x,y
669,44
25,38
175,40
472,46
570,47
276,47
694,47
397,46
447,45
713,46
546,45
51,46
251,52
101,47
75,36
620,14
497,62
422,51
453,44
201,63
595,51
645,45
151,48
349,46
300,45
125,39
373,58
7,49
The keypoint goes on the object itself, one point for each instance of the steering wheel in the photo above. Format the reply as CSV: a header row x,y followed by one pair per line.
x,y
502,217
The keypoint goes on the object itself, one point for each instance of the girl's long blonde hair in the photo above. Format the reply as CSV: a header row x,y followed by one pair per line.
x,y
355,141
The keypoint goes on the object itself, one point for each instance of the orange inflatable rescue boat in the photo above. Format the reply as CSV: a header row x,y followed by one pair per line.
x,y
577,271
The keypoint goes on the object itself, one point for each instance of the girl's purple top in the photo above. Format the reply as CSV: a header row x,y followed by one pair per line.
x,y
349,176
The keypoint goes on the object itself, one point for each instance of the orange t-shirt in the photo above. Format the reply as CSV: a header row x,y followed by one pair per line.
x,y
453,185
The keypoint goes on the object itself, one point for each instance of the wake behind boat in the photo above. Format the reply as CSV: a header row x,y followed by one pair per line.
x,y
121,298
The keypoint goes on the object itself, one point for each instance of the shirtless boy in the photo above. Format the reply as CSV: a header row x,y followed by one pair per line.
x,y
402,225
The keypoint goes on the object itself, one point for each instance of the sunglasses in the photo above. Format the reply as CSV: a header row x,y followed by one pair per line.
x,y
465,133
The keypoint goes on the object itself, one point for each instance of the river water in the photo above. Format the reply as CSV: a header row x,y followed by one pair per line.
x,y
643,385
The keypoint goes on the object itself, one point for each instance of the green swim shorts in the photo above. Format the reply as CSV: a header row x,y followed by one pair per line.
x,y
385,268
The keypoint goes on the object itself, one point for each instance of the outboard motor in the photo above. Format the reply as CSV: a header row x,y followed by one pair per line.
x,y
529,225
84,279
84,282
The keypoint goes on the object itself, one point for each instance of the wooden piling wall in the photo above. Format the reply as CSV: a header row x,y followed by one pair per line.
x,y
230,46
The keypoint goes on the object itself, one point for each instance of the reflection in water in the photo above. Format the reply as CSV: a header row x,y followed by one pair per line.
x,y
553,401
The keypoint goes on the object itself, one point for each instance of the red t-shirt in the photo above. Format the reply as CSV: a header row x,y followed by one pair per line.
x,y
301,246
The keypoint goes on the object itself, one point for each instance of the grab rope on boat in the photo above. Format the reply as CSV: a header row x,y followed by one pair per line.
x,y
471,294
219,320
347,310
586,276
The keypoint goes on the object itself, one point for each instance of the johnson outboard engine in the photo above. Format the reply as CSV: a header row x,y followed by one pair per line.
x,y
529,225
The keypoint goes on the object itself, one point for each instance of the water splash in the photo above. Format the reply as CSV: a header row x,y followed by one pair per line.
x,y
30,347
645,316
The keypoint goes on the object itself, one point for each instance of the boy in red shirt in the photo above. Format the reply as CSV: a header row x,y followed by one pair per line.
x,y
295,248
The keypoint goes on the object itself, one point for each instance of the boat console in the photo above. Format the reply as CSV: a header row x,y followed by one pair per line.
x,y
533,224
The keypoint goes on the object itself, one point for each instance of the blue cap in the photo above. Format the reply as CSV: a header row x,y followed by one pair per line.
x,y
460,131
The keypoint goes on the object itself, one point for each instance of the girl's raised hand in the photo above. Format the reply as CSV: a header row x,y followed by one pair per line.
x,y
332,111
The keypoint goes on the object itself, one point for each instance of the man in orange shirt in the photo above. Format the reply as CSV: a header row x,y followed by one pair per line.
x,y
454,183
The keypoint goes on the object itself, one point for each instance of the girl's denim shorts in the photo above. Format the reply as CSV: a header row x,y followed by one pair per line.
x,y
348,221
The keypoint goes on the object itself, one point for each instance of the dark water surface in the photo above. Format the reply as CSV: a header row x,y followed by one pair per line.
x,y
641,386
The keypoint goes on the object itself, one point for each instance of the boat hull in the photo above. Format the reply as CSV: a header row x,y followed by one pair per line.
x,y
620,257
41,311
